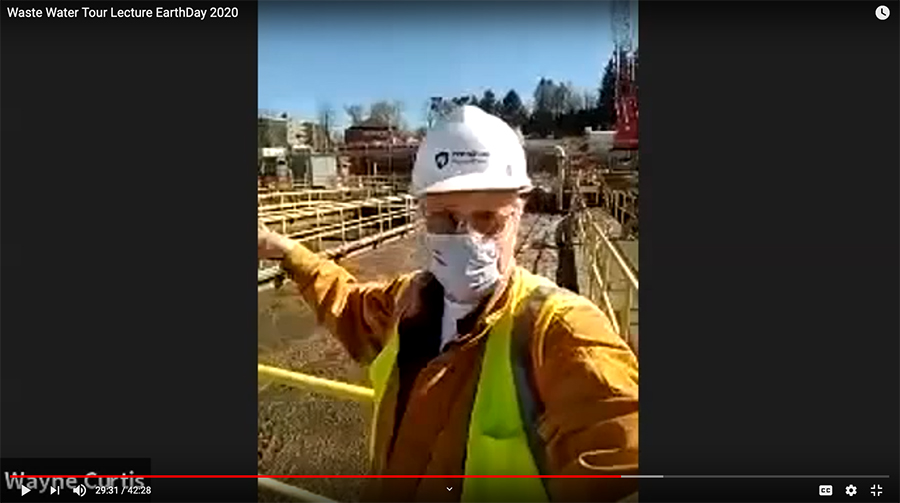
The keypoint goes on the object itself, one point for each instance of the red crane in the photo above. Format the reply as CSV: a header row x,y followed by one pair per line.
x,y
624,152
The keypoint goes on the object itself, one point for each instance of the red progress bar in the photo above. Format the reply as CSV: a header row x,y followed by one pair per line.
x,y
318,476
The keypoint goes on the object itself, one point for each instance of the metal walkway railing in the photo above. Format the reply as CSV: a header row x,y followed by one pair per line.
x,y
612,283
349,227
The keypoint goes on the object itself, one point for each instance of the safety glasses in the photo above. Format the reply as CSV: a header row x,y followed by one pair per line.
x,y
487,223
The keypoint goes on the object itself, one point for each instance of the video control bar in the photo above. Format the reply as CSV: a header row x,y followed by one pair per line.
x,y
88,480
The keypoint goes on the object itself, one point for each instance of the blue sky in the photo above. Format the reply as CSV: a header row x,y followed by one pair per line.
x,y
340,53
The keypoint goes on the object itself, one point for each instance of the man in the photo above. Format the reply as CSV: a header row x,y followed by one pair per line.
x,y
479,367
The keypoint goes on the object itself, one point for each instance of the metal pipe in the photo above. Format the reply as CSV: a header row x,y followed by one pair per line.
x,y
290,491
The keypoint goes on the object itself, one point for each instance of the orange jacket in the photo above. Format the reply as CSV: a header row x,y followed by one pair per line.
x,y
585,375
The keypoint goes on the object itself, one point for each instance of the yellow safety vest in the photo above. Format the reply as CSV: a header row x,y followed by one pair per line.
x,y
498,443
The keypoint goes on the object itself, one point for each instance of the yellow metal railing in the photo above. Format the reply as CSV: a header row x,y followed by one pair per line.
x,y
292,492
346,228
622,205
305,195
333,221
336,389
395,182
369,180
328,387
612,284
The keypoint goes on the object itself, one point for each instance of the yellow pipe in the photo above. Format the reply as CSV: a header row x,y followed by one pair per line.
x,y
317,384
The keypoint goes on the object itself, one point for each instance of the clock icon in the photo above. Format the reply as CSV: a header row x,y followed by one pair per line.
x,y
882,12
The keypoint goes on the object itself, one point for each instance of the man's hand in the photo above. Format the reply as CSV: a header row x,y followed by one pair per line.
x,y
271,245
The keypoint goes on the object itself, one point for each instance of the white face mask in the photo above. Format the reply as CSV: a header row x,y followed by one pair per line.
x,y
465,264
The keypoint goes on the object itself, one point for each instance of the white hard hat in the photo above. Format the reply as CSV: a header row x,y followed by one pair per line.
x,y
470,150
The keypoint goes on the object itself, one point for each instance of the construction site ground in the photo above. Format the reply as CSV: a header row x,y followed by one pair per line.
x,y
302,433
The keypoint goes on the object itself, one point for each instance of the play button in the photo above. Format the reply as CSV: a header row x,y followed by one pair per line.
x,y
25,490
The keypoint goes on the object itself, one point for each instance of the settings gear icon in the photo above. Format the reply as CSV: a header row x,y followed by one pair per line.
x,y
851,490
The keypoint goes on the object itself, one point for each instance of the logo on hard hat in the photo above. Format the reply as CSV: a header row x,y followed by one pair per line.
x,y
441,159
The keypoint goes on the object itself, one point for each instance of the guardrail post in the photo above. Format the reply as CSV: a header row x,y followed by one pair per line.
x,y
318,225
380,218
625,325
406,215
607,258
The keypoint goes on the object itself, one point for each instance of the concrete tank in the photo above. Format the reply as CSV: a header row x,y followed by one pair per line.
x,y
323,171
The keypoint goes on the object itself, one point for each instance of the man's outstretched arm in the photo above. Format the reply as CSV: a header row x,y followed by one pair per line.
x,y
587,379
358,314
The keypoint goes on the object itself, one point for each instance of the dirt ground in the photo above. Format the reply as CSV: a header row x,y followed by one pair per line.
x,y
305,434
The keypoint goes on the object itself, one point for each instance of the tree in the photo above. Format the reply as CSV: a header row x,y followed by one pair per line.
x,y
488,102
326,122
512,110
357,114
635,69
590,99
606,113
569,100
387,113
562,96
546,107
541,96
399,122
438,107
464,100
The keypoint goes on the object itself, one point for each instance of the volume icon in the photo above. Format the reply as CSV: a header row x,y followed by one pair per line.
x,y
80,490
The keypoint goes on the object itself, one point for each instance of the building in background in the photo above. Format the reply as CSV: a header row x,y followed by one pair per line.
x,y
309,134
284,132
272,132
376,149
370,132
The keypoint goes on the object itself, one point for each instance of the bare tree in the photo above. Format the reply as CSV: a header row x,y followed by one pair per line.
x,y
590,98
326,122
432,107
438,107
398,121
357,114
387,113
